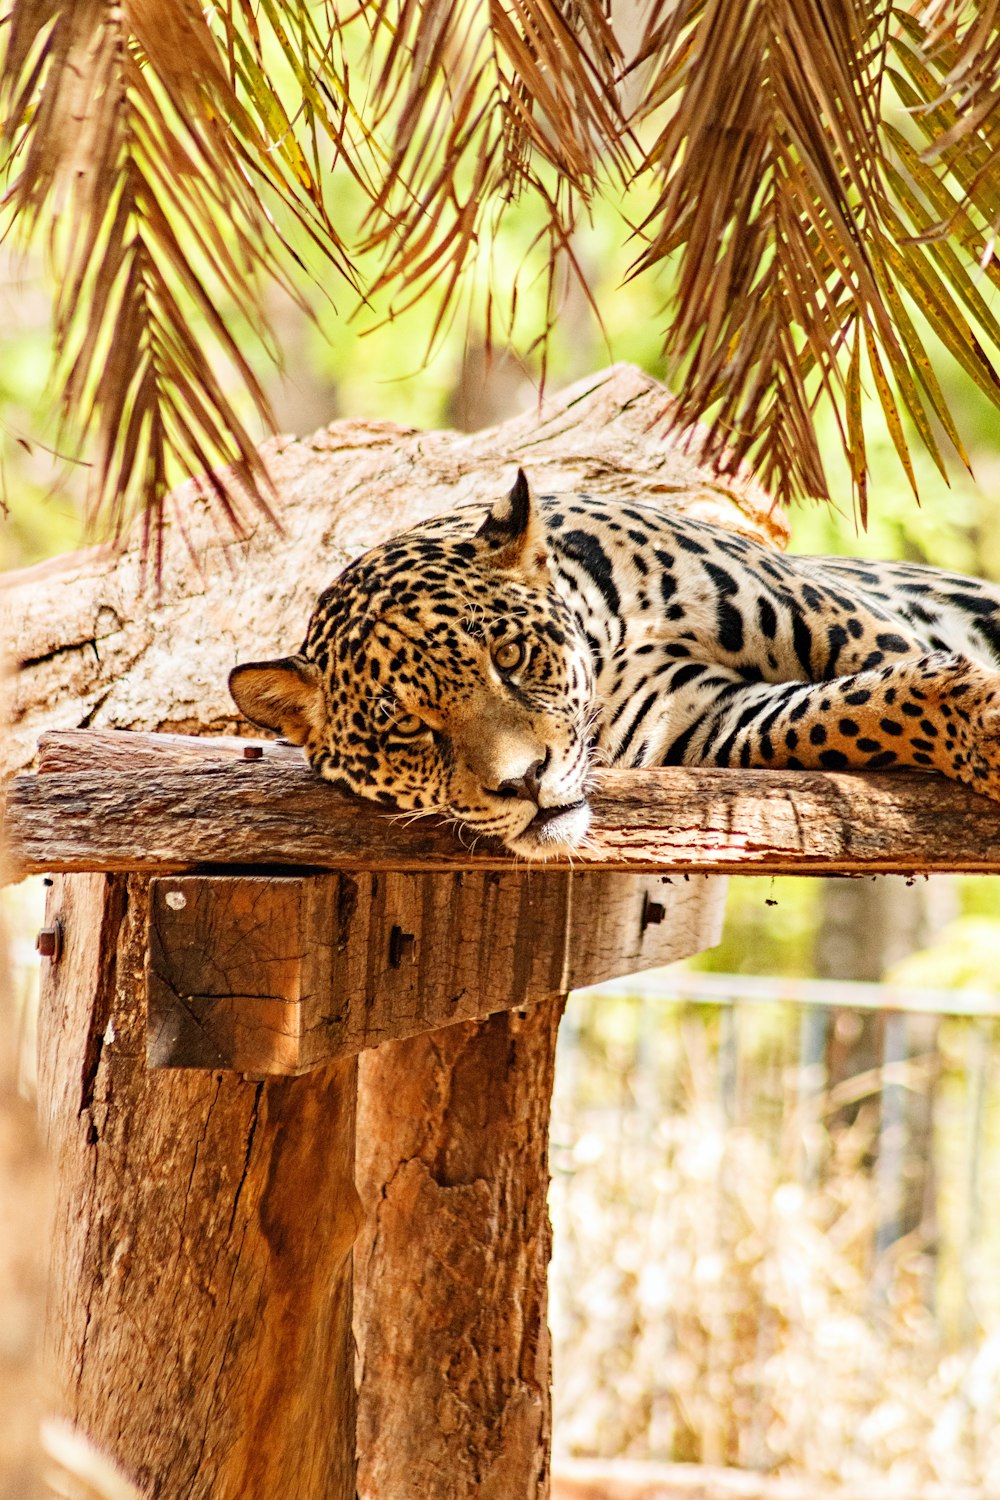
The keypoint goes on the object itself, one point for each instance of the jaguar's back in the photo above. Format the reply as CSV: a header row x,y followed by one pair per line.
x,y
477,666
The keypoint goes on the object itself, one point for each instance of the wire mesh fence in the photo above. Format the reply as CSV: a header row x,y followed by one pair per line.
x,y
758,1265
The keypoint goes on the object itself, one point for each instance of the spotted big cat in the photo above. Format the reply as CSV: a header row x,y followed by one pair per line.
x,y
480,666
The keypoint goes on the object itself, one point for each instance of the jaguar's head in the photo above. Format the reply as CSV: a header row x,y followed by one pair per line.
x,y
443,672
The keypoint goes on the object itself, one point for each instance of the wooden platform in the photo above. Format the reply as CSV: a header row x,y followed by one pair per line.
x,y
109,801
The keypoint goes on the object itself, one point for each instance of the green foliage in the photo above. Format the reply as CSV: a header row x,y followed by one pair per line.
x,y
770,928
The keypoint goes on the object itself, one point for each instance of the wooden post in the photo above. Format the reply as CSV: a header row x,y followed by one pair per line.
x,y
455,1363
202,1268
452,1261
201,1255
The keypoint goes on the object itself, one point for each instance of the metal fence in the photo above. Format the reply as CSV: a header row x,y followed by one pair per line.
x,y
758,1264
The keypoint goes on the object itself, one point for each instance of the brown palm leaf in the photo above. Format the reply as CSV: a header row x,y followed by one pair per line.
x,y
800,232
824,178
483,105
124,127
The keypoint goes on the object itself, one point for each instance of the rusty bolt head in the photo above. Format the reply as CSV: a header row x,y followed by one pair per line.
x,y
653,913
402,946
253,752
49,942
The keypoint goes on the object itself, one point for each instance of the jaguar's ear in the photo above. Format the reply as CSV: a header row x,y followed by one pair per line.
x,y
284,695
512,538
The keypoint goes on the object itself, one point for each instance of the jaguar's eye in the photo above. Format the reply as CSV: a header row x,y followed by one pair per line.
x,y
407,725
509,655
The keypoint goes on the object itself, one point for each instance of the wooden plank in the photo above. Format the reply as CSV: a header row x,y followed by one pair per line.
x,y
623,923
234,979
668,820
226,970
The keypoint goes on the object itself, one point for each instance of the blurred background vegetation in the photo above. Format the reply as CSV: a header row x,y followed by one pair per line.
x,y
345,359
724,1289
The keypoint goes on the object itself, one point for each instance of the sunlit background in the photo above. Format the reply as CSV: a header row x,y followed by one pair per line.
x,y
775,1244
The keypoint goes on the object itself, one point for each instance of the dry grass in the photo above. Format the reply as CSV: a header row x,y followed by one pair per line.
x,y
716,1295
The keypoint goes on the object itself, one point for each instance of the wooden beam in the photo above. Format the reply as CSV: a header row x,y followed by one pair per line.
x,y
270,974
219,811
63,750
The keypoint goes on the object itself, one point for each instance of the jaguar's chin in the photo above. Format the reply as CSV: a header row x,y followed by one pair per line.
x,y
553,833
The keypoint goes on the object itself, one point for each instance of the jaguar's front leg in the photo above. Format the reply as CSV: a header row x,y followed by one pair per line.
x,y
939,711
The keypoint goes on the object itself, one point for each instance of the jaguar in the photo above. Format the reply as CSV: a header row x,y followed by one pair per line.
x,y
479,666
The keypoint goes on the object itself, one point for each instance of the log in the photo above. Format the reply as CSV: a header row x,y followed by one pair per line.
x,y
99,647
121,749
454,1398
667,820
203,1229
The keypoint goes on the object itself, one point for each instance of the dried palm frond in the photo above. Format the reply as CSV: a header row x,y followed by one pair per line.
x,y
483,104
950,53
798,233
826,180
962,42
124,128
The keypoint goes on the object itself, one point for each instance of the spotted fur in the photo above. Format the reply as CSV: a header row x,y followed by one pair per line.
x,y
478,666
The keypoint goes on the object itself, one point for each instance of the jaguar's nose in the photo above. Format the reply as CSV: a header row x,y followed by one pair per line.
x,y
527,786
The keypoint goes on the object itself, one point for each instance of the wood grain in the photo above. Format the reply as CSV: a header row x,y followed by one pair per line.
x,y
454,1355
122,749
201,1292
271,974
676,820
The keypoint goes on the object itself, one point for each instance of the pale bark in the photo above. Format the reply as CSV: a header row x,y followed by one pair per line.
x,y
99,649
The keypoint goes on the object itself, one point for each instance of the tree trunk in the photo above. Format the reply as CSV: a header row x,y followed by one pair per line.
x,y
201,1254
450,1320
24,1185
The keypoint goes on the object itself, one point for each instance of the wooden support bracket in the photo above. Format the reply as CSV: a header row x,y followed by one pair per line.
x,y
276,974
